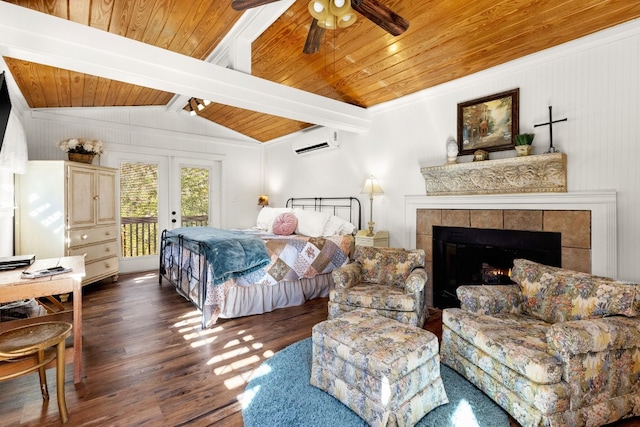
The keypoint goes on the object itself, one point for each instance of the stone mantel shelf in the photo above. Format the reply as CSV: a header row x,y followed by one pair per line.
x,y
527,174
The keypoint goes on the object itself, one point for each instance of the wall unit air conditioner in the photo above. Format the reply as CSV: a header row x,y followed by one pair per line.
x,y
315,139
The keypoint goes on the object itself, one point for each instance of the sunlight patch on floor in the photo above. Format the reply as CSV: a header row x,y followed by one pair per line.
x,y
464,416
145,278
188,319
238,364
200,343
231,343
248,395
228,355
262,370
197,333
188,329
238,381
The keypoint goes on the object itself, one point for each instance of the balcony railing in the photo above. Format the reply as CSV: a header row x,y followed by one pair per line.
x,y
139,236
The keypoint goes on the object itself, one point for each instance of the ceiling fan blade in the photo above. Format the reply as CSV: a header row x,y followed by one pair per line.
x,y
314,38
241,5
381,15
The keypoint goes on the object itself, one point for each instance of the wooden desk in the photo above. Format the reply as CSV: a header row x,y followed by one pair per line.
x,y
13,288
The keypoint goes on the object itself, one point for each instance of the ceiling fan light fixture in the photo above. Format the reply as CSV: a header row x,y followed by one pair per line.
x,y
333,13
192,111
329,23
319,9
346,19
339,7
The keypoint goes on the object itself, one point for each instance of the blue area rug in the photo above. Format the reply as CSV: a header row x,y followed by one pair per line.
x,y
279,394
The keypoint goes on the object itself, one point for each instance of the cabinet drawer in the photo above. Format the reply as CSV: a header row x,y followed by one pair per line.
x,y
88,236
97,251
100,269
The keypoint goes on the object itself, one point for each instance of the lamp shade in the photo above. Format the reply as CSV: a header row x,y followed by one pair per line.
x,y
263,200
371,186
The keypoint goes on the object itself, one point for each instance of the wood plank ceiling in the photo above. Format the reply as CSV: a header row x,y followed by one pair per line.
x,y
360,65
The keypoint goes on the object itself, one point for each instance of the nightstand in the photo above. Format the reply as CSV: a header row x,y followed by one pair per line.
x,y
380,239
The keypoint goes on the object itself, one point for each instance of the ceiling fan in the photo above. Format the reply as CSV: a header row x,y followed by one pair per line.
x,y
377,13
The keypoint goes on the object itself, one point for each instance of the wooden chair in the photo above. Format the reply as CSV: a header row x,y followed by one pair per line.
x,y
30,342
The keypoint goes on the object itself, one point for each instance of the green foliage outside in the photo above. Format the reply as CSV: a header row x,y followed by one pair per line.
x,y
138,190
139,209
139,205
195,192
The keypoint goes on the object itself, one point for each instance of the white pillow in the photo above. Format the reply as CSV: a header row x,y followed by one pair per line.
x,y
336,225
267,215
347,228
311,223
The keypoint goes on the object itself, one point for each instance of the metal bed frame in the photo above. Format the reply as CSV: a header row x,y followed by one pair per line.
x,y
335,205
339,206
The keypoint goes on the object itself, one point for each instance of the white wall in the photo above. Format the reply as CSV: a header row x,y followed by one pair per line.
x,y
6,213
152,128
592,81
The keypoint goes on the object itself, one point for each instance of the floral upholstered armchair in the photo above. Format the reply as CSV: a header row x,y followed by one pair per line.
x,y
389,281
558,348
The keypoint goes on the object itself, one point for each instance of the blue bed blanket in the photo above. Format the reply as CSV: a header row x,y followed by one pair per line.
x,y
231,254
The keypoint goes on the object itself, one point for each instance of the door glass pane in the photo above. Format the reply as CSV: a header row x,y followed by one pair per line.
x,y
194,196
139,209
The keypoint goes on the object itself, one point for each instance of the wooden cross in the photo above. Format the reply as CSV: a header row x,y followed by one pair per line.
x,y
550,124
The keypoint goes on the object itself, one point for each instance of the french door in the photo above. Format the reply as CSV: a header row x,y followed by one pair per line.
x,y
196,192
162,192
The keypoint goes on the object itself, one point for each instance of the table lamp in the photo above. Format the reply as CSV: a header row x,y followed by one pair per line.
x,y
371,187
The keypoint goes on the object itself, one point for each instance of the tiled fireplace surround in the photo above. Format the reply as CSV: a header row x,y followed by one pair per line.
x,y
586,221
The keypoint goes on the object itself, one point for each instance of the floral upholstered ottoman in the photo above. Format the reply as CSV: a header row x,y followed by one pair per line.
x,y
385,371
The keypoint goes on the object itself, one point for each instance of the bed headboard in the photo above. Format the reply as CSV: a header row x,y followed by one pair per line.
x,y
347,208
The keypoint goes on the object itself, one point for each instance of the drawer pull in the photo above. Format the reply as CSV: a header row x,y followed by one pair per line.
x,y
108,233
108,249
84,237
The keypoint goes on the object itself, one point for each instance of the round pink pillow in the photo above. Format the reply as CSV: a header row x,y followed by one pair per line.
x,y
285,224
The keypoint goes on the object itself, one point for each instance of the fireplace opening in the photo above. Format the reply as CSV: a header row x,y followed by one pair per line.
x,y
465,256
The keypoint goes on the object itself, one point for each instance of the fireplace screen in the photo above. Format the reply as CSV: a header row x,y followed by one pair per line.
x,y
484,256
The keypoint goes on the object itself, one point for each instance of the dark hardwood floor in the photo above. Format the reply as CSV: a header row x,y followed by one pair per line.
x,y
148,363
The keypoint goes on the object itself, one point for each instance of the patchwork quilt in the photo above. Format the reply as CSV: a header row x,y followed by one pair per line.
x,y
295,257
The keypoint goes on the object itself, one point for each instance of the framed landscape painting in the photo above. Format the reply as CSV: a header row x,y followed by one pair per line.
x,y
489,123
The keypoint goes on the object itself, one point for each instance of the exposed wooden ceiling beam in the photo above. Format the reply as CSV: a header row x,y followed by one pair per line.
x,y
44,39
234,50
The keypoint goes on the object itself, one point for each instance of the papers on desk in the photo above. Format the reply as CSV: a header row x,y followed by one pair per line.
x,y
52,271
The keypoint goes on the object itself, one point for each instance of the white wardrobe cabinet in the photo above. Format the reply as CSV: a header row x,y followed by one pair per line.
x,y
69,208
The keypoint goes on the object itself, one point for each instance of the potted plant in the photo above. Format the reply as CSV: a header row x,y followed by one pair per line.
x,y
81,150
523,143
